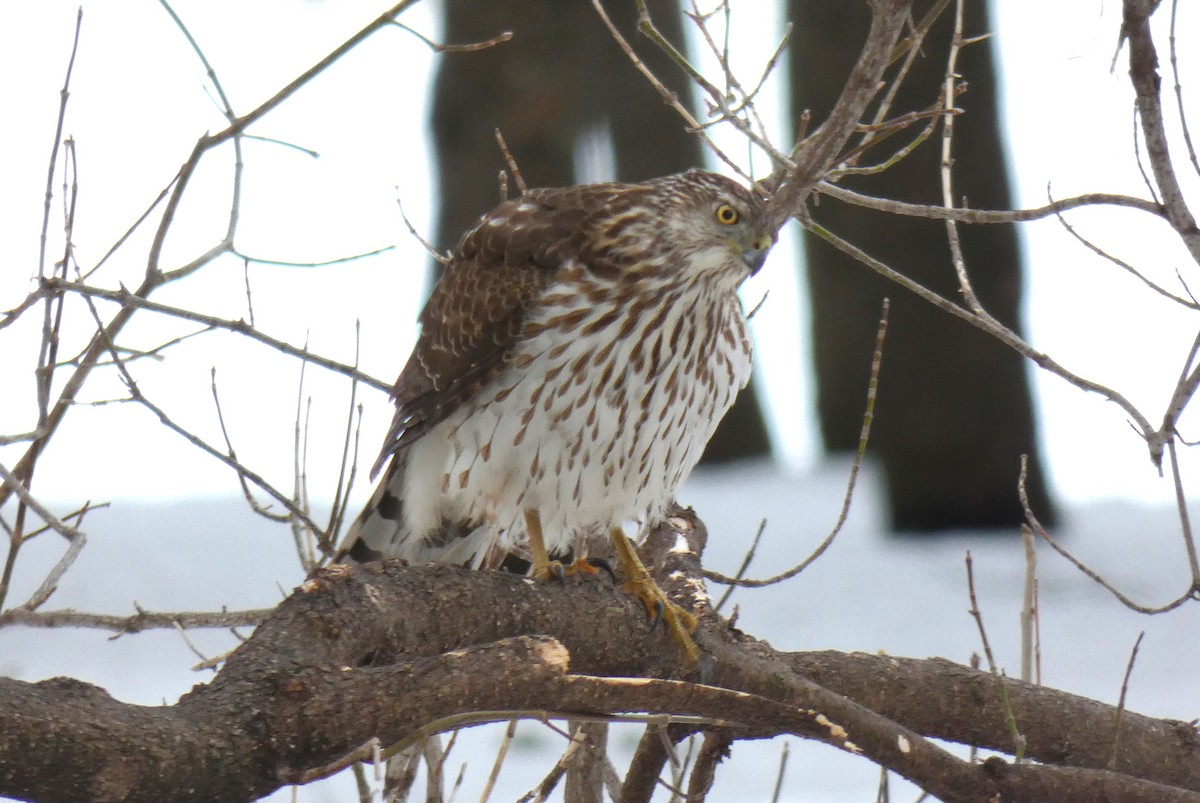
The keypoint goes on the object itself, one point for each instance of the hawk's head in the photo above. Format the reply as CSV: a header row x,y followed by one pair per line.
x,y
715,210
698,222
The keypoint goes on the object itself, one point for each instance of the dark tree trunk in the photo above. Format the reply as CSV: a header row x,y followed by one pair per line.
x,y
559,78
954,411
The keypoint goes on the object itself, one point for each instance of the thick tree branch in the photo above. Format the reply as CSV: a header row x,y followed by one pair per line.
x,y
393,652
1059,727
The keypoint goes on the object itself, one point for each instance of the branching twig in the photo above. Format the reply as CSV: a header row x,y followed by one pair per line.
x,y
132,301
1189,303
1143,73
997,330
669,97
1036,526
155,276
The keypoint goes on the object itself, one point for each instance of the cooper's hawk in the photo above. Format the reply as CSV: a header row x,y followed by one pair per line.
x,y
574,358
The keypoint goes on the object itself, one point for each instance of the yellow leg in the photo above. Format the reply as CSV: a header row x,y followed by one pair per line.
x,y
679,623
543,568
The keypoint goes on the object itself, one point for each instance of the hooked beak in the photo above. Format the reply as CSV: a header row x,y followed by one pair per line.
x,y
754,256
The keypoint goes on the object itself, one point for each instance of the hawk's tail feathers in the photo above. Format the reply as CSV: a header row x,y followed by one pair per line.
x,y
385,529
379,531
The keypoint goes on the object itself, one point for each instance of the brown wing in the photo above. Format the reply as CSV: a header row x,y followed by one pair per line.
x,y
478,307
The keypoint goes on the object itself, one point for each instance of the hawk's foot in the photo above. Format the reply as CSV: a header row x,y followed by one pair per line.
x,y
550,570
556,570
543,568
678,622
591,567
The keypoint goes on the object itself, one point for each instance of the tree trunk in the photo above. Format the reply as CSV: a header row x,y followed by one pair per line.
x,y
562,77
954,412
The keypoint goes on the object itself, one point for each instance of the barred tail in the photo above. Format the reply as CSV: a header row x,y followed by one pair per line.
x,y
379,531
384,530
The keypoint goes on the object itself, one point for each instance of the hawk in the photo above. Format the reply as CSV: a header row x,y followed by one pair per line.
x,y
574,359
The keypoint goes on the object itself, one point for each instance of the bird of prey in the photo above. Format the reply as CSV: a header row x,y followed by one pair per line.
x,y
574,358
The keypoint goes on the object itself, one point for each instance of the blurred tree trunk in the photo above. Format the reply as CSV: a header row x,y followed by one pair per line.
x,y
560,78
954,411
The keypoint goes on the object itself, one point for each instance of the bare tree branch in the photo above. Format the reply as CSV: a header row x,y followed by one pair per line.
x,y
346,659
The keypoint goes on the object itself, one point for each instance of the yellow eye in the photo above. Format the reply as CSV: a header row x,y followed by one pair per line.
x,y
727,215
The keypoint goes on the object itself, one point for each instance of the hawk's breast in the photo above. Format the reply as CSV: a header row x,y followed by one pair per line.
x,y
602,411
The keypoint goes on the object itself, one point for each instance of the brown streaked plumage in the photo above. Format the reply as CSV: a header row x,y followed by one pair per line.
x,y
574,358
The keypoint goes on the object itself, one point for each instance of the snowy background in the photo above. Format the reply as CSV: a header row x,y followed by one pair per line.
x,y
177,539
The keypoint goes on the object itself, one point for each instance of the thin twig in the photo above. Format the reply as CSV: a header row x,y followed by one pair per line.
x,y
309,152
1185,522
191,645
1143,74
726,105
154,275
511,161
21,437
469,47
501,754
783,760
131,301
242,470
303,552
1190,303
21,478
741,572
1010,719
1029,609
1180,108
12,481
441,258
669,97
849,164
947,170
989,216
1036,526
996,330
320,263
348,466
64,96
864,437
232,454
575,742
137,623
1115,747
50,584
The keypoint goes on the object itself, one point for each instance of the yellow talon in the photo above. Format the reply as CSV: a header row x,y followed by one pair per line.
x,y
543,568
679,623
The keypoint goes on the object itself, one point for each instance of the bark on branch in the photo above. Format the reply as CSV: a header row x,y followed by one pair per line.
x,y
385,650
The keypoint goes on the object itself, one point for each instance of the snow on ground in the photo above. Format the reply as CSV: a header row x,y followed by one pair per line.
x,y
871,591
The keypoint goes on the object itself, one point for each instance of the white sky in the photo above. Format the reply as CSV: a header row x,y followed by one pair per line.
x,y
139,100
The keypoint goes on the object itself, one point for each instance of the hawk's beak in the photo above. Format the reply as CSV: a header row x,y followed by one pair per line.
x,y
754,255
